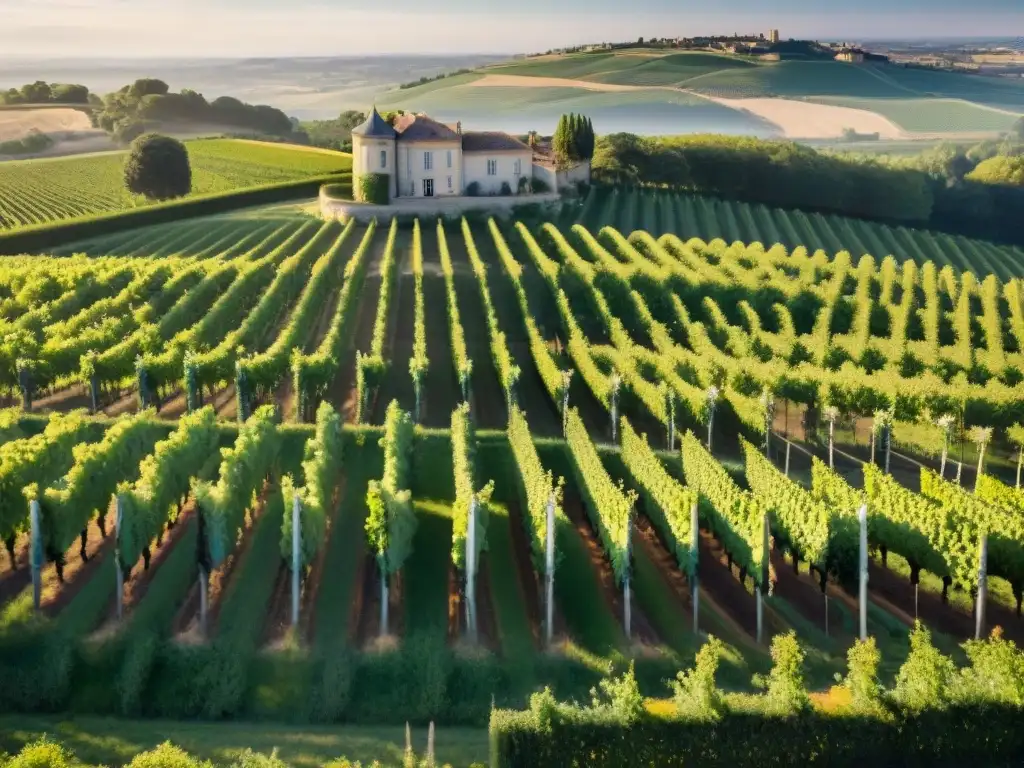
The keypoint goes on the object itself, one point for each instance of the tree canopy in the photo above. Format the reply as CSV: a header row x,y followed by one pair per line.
x,y
41,92
151,102
1003,170
158,167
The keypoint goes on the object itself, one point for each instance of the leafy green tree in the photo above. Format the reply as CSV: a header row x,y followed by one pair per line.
x,y
862,675
158,167
36,93
561,142
1002,170
784,685
996,673
694,691
127,130
147,86
69,93
620,695
926,678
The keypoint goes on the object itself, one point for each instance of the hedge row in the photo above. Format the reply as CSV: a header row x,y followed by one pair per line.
x,y
957,735
49,235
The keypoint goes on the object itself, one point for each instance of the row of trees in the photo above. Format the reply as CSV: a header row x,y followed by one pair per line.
x,y
41,92
129,111
574,138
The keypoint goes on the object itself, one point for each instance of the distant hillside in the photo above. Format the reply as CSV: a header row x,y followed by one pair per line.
x,y
671,92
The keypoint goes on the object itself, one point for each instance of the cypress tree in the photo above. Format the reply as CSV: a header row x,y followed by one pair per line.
x,y
576,132
560,142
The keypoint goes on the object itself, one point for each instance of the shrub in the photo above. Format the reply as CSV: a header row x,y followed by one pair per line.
x,y
167,756
158,167
337,191
784,685
506,189
862,675
41,754
538,185
694,691
473,189
373,188
925,678
523,185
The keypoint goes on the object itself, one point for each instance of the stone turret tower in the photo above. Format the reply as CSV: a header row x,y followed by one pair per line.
x,y
373,151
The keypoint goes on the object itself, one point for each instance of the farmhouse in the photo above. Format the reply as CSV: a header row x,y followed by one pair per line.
x,y
426,158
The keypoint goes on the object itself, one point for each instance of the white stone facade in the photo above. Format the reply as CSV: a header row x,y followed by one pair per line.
x,y
425,158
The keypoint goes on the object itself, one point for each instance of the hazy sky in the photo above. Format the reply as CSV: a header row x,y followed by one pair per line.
x,y
111,28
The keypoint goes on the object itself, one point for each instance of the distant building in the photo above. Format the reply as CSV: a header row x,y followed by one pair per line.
x,y
773,35
851,56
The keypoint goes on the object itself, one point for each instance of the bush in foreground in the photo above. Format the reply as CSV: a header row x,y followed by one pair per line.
x,y
934,714
50,754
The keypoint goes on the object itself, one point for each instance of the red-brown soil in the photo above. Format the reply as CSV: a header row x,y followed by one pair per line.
x,y
187,619
803,591
945,617
487,397
642,630
530,583
56,596
442,386
342,392
486,624
366,620
138,584
718,582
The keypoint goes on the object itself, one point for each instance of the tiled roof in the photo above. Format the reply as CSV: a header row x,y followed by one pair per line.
x,y
375,126
422,128
490,141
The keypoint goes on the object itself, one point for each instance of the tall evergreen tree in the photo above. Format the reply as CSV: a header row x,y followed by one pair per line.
x,y
577,136
561,141
588,140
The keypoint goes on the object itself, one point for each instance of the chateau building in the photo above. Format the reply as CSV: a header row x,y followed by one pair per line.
x,y
427,158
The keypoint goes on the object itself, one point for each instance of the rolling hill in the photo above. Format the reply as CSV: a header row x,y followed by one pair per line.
x,y
653,92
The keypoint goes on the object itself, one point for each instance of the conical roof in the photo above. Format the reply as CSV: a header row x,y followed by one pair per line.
x,y
375,126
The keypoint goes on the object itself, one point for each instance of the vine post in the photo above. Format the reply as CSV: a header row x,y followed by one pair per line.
x,y
471,572
627,607
789,445
945,423
712,402
566,378
766,543
768,406
549,573
981,436
118,521
296,556
831,413
862,517
384,613
25,383
204,590
94,392
36,552
616,384
694,558
979,612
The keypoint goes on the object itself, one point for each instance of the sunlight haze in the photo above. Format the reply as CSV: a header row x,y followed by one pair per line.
x,y
68,28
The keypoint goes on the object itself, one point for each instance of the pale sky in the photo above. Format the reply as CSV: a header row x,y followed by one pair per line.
x,y
213,28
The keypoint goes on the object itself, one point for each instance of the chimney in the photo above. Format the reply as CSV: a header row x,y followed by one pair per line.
x,y
458,127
